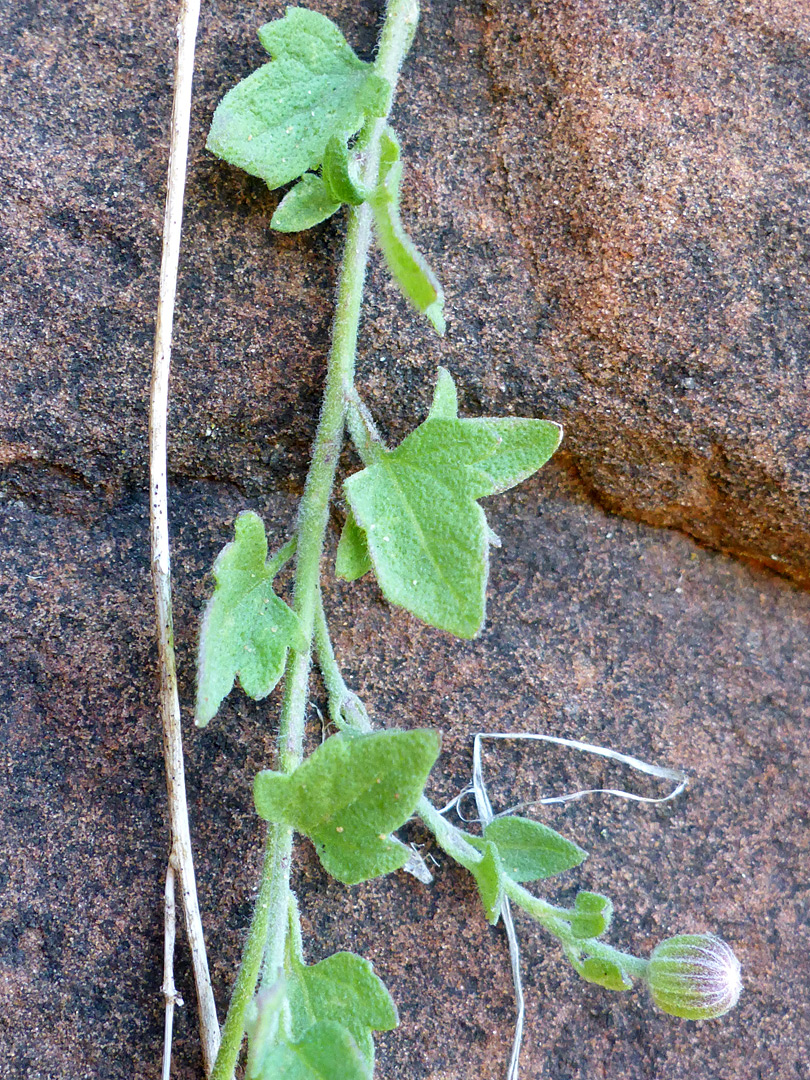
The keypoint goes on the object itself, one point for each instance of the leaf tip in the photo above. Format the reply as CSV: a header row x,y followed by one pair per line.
x,y
435,312
204,711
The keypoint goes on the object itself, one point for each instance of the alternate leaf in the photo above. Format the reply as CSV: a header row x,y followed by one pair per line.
x,y
326,1051
345,989
337,174
593,913
488,876
262,1021
276,123
349,795
427,537
353,559
530,851
246,628
406,263
605,973
307,204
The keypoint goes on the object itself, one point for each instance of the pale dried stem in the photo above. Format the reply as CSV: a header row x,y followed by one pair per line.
x,y
170,995
180,859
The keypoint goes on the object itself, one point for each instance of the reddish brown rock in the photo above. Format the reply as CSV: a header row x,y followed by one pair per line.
x,y
657,161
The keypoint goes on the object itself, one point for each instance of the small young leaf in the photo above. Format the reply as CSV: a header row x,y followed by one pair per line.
x,y
246,629
326,1051
407,265
349,795
530,851
343,988
593,913
488,876
427,537
276,123
307,204
604,973
353,559
337,174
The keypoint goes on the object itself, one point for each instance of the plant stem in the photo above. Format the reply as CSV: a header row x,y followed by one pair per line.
x,y
282,557
448,837
170,995
367,441
346,710
272,894
550,917
270,922
180,859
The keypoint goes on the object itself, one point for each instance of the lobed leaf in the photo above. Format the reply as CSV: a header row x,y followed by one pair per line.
x,y
307,204
406,263
530,851
246,628
326,1051
262,1021
345,989
428,539
349,795
276,123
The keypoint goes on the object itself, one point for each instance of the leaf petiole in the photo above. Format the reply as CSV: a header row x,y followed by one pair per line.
x,y
346,710
366,438
277,562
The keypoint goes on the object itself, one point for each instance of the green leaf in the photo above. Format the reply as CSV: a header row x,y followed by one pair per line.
x,y
337,174
276,123
593,913
445,397
530,851
326,1051
307,204
428,539
262,1020
246,629
349,795
604,973
343,988
406,263
353,559
488,876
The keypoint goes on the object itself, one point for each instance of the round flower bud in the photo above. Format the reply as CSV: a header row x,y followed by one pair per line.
x,y
694,976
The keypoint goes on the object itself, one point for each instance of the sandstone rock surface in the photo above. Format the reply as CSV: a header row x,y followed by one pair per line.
x,y
657,160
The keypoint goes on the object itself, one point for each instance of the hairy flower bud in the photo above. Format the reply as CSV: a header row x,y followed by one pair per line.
x,y
694,976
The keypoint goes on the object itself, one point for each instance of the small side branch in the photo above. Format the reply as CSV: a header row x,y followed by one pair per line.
x,y
180,860
170,995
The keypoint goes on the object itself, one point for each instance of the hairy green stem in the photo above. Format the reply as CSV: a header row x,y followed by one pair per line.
x,y
277,855
560,928
551,918
268,931
282,557
346,710
363,430
448,837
